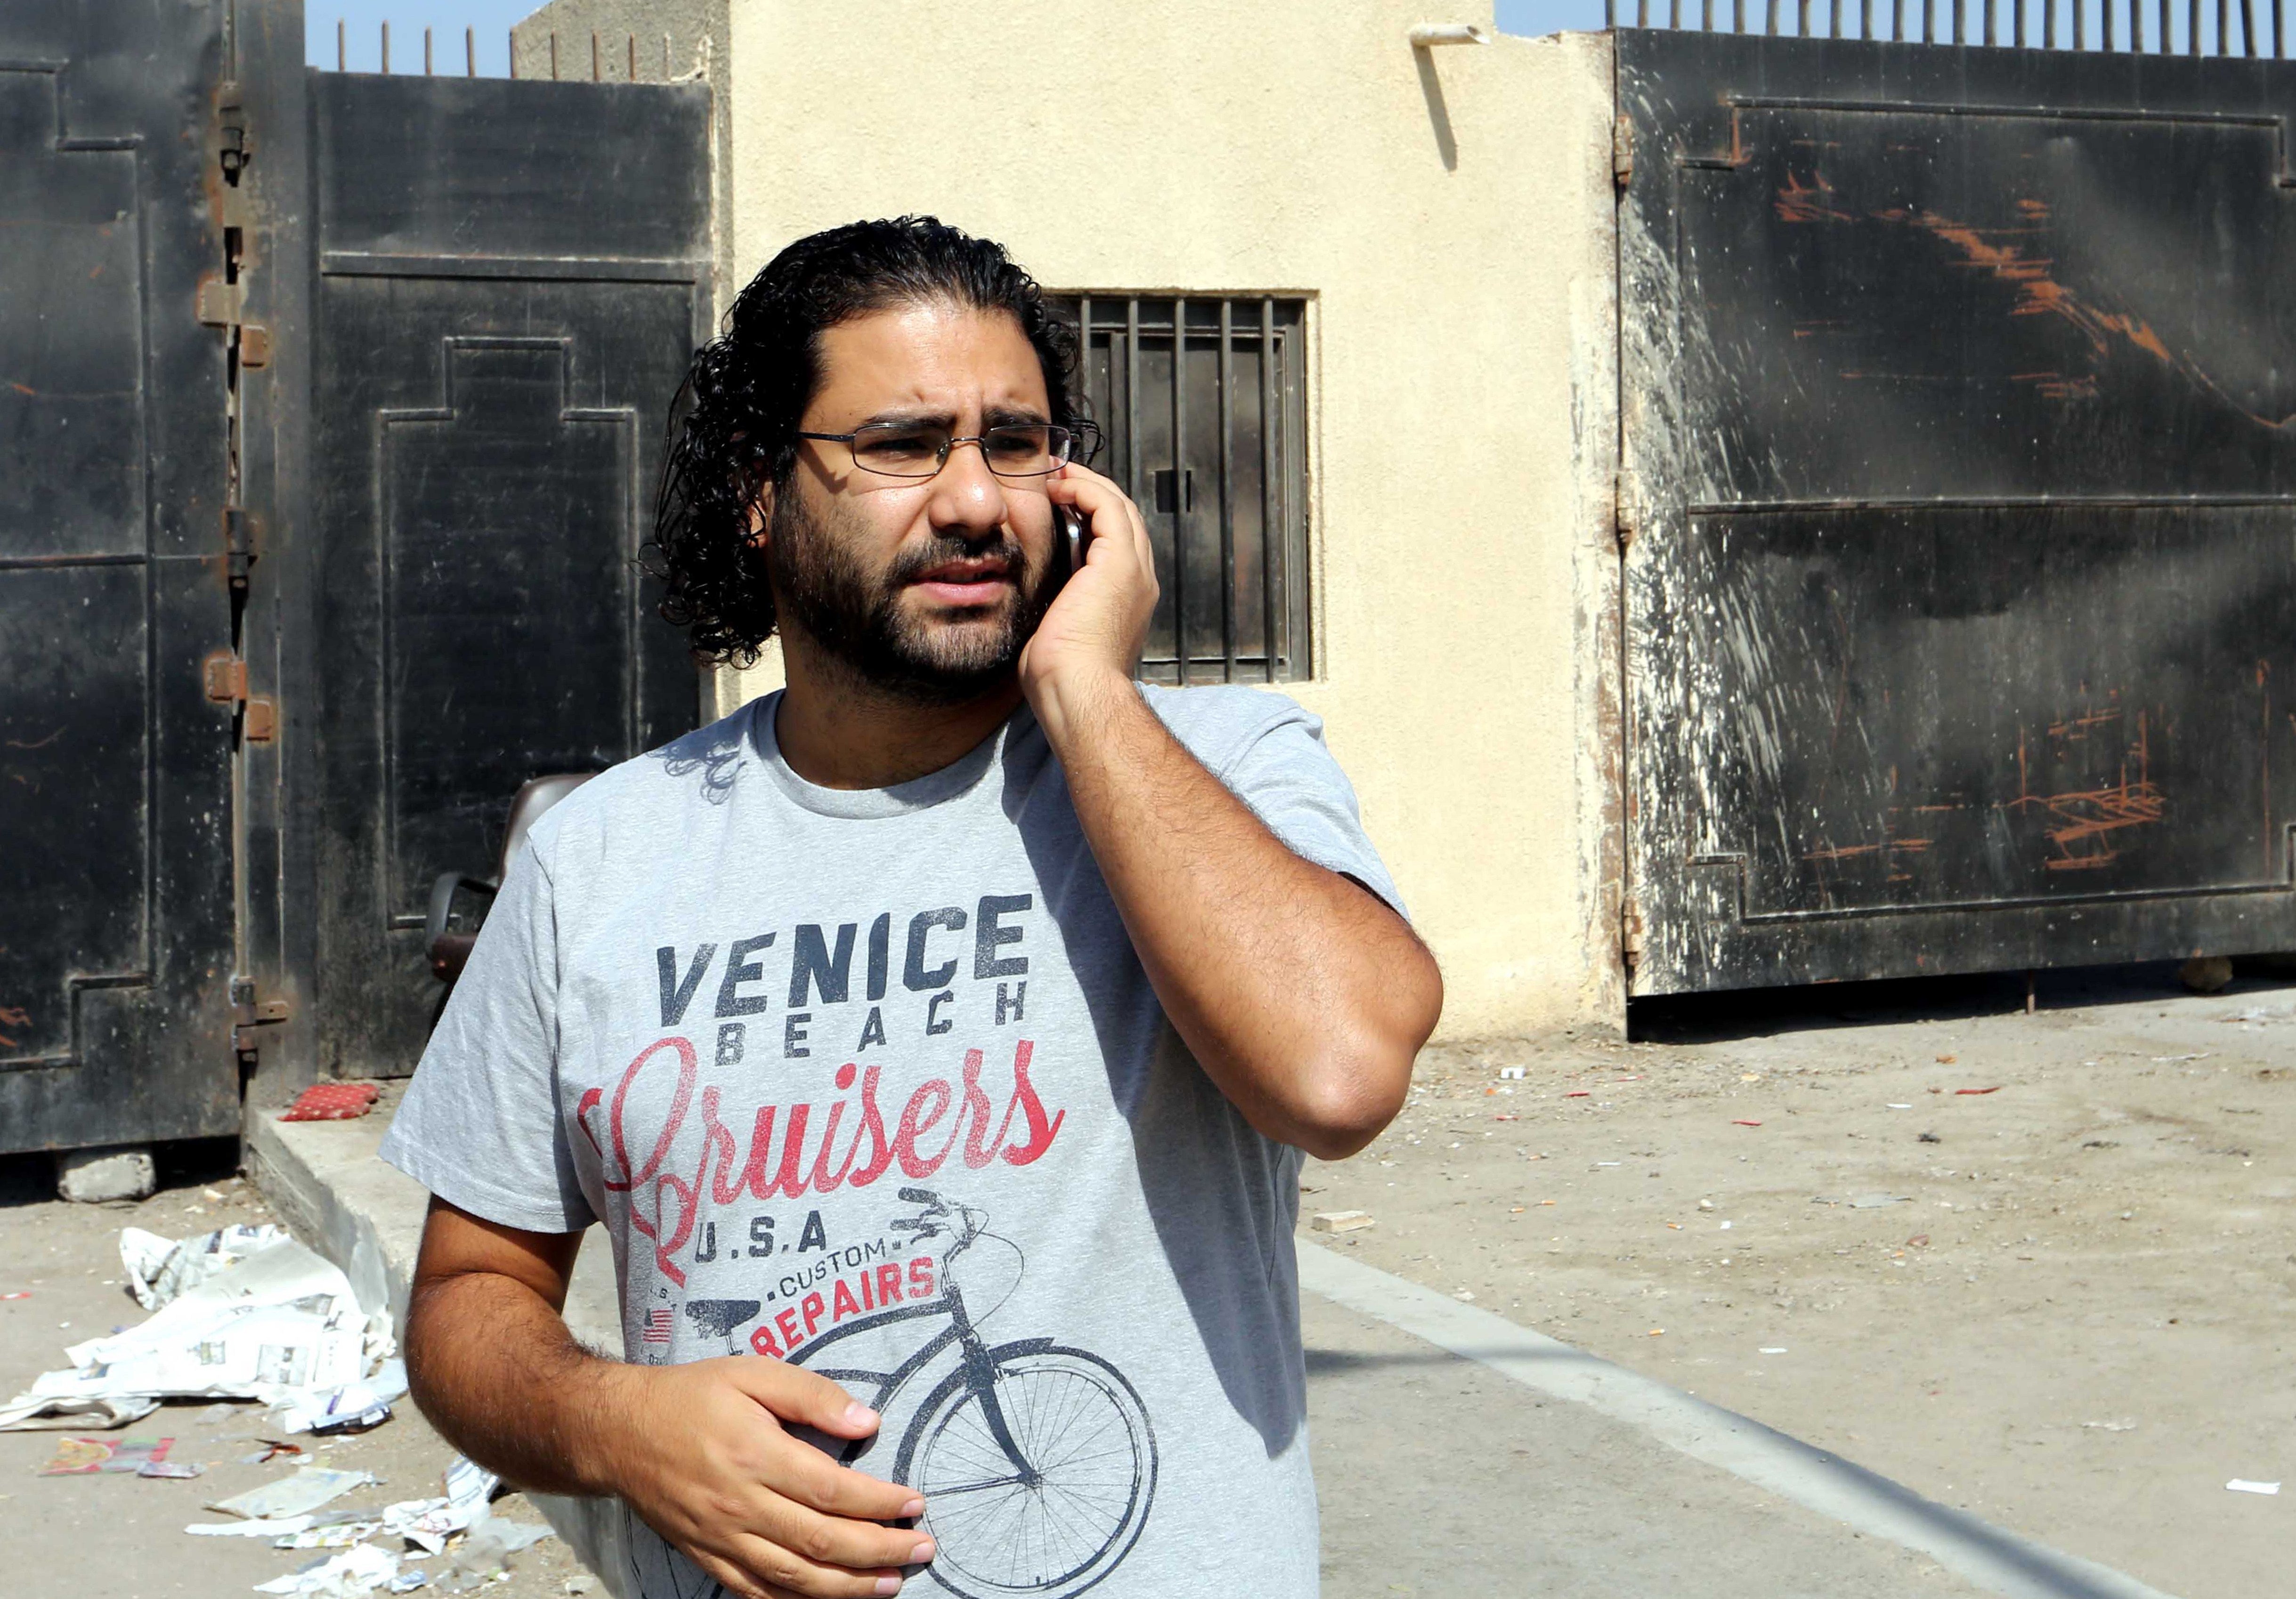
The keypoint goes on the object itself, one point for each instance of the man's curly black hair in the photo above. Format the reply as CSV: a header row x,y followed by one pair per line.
x,y
733,427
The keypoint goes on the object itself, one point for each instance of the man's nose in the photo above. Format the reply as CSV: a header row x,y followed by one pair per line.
x,y
968,498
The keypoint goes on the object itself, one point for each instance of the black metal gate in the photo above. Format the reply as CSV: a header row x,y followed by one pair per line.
x,y
1959,388
512,277
329,409
115,794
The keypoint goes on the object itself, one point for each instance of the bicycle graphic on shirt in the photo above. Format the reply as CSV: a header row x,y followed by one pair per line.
x,y
1035,1459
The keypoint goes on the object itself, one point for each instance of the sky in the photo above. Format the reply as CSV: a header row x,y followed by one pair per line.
x,y
363,28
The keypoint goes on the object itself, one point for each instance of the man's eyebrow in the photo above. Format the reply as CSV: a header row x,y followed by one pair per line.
x,y
909,417
998,415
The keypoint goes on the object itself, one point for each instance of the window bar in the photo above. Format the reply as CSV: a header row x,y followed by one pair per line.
x,y
1081,402
2081,24
1132,473
2224,28
1897,20
1270,528
470,52
1227,499
1609,13
2193,28
1771,21
1278,428
1833,20
2136,27
1864,19
1802,19
1674,13
1180,487
1706,16
1929,21
1991,38
1960,21
1737,16
2276,29
2017,23
1641,13
2248,29
2048,24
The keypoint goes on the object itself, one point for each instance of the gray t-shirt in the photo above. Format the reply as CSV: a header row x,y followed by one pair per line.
x,y
873,1081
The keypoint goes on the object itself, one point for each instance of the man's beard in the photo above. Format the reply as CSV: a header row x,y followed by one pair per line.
x,y
856,616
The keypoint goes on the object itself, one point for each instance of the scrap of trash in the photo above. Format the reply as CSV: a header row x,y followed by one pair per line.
x,y
247,1313
241,1313
460,1524
332,1102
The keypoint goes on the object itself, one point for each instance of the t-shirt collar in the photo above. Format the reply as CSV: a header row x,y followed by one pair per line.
x,y
903,798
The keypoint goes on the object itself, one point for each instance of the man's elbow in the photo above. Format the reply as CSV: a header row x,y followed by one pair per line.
x,y
1362,1083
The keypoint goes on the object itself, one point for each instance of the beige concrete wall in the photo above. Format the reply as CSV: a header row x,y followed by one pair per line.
x,y
1449,213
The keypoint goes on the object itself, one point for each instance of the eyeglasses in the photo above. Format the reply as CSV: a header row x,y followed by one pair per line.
x,y
917,450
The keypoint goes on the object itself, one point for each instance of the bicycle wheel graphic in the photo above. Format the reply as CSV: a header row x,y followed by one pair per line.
x,y
1071,1519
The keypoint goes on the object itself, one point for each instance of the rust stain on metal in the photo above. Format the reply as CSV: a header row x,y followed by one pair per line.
x,y
1801,202
2088,818
1886,846
14,1016
2038,294
2077,727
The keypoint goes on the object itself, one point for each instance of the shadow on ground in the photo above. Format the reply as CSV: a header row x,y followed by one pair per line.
x,y
1762,1012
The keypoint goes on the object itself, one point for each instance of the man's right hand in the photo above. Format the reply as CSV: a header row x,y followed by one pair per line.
x,y
701,1452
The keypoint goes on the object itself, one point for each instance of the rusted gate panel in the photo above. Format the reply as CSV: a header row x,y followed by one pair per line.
x,y
513,276
115,795
1961,587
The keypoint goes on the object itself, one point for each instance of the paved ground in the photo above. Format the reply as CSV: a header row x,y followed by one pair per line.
x,y
1439,1477
2075,1323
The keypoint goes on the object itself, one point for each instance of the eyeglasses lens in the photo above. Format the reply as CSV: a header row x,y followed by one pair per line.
x,y
918,450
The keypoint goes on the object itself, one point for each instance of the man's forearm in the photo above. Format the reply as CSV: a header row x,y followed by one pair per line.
x,y
496,1370
1303,996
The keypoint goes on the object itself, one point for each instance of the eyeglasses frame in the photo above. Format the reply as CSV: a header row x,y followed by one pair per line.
x,y
1082,432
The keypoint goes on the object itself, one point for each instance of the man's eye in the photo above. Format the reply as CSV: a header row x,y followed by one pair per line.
x,y
1016,444
898,447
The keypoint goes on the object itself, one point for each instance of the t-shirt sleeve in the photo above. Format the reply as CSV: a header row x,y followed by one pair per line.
x,y
1290,780
481,1126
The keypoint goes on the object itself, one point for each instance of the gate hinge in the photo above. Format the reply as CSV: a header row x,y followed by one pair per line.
x,y
1626,510
224,675
1622,150
1630,930
248,1014
222,305
218,302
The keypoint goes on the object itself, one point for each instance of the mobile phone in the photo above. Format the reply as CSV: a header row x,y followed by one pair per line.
x,y
1074,530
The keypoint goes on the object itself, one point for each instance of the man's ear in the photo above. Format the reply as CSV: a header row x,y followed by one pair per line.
x,y
760,515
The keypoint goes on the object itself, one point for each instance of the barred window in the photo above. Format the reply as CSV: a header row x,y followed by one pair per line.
x,y
1212,445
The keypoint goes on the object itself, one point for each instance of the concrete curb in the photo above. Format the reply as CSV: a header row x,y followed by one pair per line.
x,y
328,1185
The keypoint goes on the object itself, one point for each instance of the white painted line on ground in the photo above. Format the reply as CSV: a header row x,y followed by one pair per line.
x,y
1991,1557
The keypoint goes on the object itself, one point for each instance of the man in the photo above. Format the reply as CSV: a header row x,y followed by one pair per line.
x,y
944,1029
